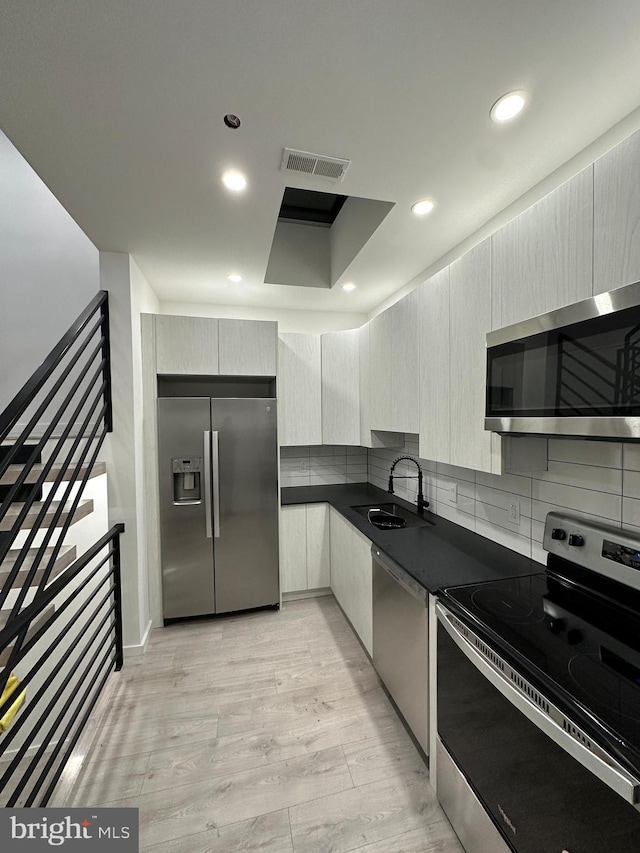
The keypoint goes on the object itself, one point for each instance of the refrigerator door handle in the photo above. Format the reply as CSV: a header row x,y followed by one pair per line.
x,y
215,467
207,481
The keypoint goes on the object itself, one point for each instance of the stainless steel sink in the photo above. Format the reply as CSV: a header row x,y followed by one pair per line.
x,y
389,516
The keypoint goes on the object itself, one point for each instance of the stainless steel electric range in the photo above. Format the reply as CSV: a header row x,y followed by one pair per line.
x,y
538,700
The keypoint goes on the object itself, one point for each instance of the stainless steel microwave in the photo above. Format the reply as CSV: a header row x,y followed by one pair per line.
x,y
574,371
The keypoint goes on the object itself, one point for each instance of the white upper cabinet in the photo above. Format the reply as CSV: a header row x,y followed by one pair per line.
x,y
435,409
393,367
380,353
299,389
341,387
470,320
405,381
248,347
542,259
365,396
205,346
616,205
186,345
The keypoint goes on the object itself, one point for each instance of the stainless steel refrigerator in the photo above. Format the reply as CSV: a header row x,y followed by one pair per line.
x,y
218,466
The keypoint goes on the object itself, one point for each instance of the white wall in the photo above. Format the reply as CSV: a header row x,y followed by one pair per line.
x,y
143,301
289,320
48,271
129,295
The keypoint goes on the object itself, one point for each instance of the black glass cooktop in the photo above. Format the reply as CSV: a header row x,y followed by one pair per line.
x,y
578,644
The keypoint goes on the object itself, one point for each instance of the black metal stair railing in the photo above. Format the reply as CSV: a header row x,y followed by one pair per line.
x,y
60,624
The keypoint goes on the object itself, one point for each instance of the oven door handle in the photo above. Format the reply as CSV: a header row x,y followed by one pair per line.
x,y
500,674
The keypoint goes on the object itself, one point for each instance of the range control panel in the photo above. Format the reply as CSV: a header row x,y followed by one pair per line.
x,y
624,554
610,551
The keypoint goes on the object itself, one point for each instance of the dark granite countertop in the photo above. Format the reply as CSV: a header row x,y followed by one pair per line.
x,y
438,555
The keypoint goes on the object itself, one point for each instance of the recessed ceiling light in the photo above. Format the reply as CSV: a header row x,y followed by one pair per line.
x,y
234,277
348,286
234,180
508,106
421,208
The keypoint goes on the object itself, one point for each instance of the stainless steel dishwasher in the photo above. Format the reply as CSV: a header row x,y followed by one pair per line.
x,y
401,642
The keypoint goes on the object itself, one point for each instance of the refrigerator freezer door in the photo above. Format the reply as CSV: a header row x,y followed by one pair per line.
x,y
246,552
187,553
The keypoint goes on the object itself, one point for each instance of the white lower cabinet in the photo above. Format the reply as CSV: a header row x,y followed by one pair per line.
x,y
351,576
293,548
318,547
304,547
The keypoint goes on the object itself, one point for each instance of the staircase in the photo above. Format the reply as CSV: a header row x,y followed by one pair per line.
x,y
60,590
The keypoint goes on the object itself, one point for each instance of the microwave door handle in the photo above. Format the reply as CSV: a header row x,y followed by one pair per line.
x,y
604,768
215,468
207,481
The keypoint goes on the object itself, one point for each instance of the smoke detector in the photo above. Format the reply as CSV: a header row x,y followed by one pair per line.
x,y
318,165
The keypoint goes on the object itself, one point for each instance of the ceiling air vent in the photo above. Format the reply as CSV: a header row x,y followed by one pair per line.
x,y
332,168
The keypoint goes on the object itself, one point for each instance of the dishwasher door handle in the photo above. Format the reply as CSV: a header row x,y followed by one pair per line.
x,y
399,575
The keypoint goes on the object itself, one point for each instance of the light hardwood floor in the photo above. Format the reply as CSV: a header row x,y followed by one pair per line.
x,y
264,732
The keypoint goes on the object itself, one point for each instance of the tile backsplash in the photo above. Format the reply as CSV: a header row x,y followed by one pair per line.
x,y
595,479
322,465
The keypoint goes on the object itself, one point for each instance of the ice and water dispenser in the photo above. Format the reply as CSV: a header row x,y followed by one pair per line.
x,y
187,480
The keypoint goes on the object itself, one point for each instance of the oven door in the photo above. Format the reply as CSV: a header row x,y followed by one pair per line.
x,y
502,746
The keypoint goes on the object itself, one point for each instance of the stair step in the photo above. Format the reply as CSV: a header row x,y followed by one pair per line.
x,y
84,508
66,556
35,625
13,472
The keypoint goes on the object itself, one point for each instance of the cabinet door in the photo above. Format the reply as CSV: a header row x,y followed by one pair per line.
x,y
318,547
435,410
365,396
248,347
470,307
380,350
341,388
293,548
616,210
542,259
405,381
186,345
393,363
299,390
351,576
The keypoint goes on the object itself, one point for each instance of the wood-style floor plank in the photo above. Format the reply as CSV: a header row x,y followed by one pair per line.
x,y
200,806
266,732
363,815
435,837
268,833
107,780
380,757
296,705
203,761
303,674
